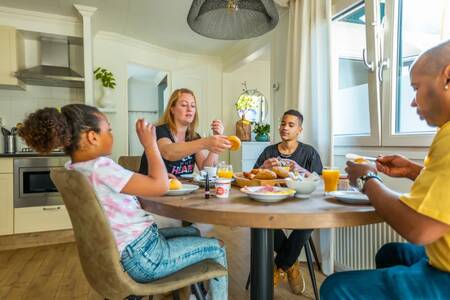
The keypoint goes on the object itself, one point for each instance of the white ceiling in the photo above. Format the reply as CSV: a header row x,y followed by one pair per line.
x,y
159,22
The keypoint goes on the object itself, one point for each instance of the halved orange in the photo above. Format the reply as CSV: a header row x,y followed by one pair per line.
x,y
175,184
235,142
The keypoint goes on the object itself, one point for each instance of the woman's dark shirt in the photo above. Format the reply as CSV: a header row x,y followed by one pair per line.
x,y
183,166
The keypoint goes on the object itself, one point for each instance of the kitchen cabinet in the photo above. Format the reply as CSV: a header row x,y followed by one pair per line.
x,y
245,158
41,218
6,196
11,58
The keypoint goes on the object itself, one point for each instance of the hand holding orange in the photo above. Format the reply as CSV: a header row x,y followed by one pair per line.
x,y
235,142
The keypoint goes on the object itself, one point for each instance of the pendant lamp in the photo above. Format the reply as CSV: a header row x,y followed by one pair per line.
x,y
232,19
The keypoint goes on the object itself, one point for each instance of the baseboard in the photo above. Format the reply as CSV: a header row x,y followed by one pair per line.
x,y
36,239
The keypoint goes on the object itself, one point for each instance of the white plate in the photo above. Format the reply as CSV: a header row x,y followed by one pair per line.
x,y
351,197
186,189
253,193
187,176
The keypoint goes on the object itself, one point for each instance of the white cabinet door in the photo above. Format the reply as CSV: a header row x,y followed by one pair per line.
x,y
11,58
6,204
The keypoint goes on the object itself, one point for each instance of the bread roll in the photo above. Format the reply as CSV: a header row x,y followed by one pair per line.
x,y
265,174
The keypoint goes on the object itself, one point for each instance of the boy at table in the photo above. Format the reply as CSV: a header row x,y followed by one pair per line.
x,y
302,158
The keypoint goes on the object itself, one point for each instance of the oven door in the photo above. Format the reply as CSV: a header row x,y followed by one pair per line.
x,y
35,188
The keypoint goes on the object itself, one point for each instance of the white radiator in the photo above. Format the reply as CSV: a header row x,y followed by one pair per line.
x,y
356,246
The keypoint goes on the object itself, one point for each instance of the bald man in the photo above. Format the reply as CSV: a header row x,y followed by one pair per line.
x,y
419,269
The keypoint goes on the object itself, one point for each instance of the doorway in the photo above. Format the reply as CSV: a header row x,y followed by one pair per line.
x,y
147,97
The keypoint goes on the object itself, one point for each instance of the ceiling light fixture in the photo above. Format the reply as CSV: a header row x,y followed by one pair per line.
x,y
232,19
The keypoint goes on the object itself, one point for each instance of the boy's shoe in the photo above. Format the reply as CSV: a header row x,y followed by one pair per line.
x,y
295,278
278,275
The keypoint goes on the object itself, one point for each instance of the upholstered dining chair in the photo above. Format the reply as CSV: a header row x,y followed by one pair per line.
x,y
98,252
131,163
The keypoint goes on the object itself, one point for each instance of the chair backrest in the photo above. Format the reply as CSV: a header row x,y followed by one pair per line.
x,y
97,249
131,163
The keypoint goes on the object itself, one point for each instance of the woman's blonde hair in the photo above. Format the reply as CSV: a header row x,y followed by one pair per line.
x,y
168,118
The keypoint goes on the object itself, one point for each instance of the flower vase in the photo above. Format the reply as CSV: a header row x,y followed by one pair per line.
x,y
262,137
105,100
243,129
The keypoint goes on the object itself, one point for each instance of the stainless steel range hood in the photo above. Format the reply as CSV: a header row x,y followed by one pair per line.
x,y
55,66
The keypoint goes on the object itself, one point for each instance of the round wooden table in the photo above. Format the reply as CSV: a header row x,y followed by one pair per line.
x,y
318,211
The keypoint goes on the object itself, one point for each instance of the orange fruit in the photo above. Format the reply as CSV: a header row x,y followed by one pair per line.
x,y
175,184
235,142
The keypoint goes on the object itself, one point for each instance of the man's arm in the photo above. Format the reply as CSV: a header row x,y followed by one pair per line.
x,y
413,226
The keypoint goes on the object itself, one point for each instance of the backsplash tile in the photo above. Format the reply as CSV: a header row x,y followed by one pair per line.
x,y
16,105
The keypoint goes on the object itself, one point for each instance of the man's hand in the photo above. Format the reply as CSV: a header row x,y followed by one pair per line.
x,y
217,127
356,170
146,133
398,166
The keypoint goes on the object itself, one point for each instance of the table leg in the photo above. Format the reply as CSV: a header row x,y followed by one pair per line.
x,y
261,264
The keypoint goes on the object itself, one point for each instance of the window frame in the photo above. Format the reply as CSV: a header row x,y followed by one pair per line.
x,y
372,53
389,87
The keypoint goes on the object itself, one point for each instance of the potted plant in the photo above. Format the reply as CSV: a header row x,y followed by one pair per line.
x,y
262,131
108,82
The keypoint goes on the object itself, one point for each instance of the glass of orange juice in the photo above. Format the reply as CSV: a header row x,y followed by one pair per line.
x,y
330,177
224,170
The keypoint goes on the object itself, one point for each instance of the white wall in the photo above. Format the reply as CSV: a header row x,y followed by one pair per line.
x,y
114,52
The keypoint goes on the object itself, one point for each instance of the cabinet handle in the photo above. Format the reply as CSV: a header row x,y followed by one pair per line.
x,y
51,208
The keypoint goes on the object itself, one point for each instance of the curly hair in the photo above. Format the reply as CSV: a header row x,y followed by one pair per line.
x,y
48,128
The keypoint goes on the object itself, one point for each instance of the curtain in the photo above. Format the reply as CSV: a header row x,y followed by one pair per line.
x,y
308,88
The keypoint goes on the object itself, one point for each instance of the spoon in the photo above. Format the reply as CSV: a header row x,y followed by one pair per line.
x,y
356,156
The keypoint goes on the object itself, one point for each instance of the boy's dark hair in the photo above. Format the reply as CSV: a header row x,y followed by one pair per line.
x,y
296,113
49,128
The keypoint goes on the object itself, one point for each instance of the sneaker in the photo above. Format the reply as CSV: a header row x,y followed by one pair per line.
x,y
278,275
295,279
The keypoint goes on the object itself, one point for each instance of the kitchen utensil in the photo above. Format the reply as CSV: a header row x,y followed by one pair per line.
x,y
5,131
14,130
356,156
9,144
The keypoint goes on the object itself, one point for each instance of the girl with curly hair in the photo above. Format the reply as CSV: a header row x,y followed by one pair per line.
x,y
147,253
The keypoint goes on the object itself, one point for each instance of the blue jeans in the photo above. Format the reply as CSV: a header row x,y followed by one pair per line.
x,y
402,272
157,253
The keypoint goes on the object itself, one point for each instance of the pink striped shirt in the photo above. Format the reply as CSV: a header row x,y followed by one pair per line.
x,y
124,212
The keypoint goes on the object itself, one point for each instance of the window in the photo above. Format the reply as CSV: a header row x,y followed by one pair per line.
x,y
377,112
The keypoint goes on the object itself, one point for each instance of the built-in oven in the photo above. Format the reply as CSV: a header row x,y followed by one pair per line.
x,y
32,183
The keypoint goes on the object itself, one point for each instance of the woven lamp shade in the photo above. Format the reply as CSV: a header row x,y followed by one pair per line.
x,y
251,18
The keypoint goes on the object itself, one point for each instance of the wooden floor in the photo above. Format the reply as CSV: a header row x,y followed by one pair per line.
x,y
54,272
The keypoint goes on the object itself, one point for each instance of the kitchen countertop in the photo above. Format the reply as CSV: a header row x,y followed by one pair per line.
x,y
31,154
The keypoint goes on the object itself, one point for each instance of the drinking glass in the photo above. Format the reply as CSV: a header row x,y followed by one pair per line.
x,y
330,177
224,170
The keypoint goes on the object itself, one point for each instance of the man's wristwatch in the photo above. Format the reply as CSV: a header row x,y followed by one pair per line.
x,y
361,181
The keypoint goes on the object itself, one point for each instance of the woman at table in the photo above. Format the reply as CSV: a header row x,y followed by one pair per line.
x,y
180,145
302,158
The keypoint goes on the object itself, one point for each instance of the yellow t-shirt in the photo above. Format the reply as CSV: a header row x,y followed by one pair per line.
x,y
430,195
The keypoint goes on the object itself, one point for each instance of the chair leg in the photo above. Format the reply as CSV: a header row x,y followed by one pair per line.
x,y
198,292
248,281
176,295
311,269
316,258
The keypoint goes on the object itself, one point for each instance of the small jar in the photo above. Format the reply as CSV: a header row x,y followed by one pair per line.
x,y
344,182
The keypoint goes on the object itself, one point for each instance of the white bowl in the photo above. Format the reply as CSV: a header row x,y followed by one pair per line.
x,y
304,187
